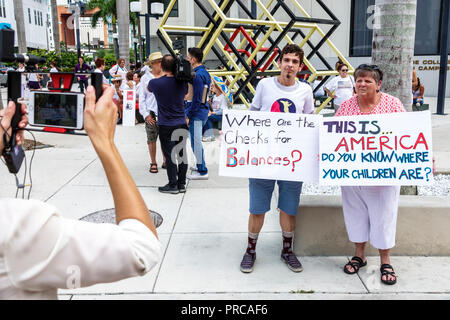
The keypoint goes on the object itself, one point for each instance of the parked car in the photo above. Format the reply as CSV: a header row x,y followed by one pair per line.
x,y
4,74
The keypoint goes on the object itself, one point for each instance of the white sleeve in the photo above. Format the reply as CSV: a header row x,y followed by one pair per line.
x,y
48,251
331,85
223,102
112,72
257,98
143,93
308,107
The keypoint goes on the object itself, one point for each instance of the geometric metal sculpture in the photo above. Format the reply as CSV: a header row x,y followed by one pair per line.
x,y
254,56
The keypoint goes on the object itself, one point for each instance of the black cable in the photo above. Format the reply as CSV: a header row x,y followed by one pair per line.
x,y
31,163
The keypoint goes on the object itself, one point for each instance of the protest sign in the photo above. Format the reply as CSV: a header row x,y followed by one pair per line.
x,y
383,149
269,145
129,107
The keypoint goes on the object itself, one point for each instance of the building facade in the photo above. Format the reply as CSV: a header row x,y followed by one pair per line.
x,y
353,37
35,19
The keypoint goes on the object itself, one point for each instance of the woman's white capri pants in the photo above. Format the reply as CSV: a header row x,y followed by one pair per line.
x,y
370,214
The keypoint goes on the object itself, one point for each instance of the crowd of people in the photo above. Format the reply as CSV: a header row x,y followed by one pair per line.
x,y
177,111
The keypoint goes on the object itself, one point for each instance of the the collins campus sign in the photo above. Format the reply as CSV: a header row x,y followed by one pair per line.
x,y
386,149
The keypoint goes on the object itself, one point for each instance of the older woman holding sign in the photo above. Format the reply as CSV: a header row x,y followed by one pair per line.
x,y
370,212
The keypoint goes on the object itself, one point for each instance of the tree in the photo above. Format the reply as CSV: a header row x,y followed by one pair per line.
x,y
123,22
393,46
20,26
107,11
55,27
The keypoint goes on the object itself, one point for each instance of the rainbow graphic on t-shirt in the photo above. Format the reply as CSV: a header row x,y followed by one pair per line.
x,y
283,105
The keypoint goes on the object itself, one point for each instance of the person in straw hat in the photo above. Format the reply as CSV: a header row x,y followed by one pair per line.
x,y
148,107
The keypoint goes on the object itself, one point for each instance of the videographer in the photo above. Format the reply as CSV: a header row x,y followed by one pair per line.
x,y
39,249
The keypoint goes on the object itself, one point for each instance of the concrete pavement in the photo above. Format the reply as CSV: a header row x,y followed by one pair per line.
x,y
204,232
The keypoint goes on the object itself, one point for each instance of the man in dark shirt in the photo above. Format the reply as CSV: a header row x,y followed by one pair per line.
x,y
173,129
197,111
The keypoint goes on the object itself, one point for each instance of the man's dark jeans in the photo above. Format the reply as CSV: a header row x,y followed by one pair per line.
x,y
175,137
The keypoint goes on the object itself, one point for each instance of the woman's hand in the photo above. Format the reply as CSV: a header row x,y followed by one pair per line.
x,y
100,118
6,116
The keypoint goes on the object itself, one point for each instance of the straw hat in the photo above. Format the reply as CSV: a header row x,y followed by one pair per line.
x,y
224,88
154,56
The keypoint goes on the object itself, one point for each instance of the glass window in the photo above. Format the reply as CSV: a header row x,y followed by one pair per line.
x,y
361,35
428,19
29,15
35,17
427,27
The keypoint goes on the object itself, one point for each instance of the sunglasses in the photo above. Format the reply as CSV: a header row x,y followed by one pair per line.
x,y
344,70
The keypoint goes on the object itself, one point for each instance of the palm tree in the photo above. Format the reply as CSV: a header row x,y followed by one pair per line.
x,y
123,21
393,46
20,26
107,12
55,27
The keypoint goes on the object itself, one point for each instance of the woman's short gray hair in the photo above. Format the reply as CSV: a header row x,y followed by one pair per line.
x,y
372,70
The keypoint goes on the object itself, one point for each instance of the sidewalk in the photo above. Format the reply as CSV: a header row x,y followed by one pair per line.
x,y
204,232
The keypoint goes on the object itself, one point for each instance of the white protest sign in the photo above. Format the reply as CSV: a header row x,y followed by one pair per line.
x,y
129,105
383,149
269,145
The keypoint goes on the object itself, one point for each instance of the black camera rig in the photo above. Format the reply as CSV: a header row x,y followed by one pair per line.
x,y
183,68
62,82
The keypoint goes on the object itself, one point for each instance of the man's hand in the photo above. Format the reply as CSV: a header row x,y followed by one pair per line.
x,y
100,118
149,119
6,116
187,121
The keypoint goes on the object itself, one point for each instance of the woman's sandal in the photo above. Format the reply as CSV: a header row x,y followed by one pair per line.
x,y
355,265
384,272
153,168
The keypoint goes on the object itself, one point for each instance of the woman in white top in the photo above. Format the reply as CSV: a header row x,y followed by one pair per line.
x,y
41,251
33,79
218,104
343,86
100,67
119,69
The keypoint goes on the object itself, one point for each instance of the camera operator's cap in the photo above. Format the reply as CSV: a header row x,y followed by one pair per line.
x,y
155,56
224,88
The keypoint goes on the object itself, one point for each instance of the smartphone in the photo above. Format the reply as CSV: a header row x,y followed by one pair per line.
x,y
56,109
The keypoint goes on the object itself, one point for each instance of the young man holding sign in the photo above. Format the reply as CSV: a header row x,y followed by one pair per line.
x,y
278,94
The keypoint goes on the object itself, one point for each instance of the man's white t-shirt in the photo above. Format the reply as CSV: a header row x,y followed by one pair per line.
x,y
272,96
40,251
343,87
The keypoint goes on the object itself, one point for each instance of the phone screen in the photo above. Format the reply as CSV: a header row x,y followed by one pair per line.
x,y
55,109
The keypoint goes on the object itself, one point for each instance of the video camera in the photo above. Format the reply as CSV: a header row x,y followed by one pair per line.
x,y
183,68
56,107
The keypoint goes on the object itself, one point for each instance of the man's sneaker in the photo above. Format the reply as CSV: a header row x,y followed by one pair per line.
x,y
247,263
193,168
182,189
292,262
168,189
195,175
208,139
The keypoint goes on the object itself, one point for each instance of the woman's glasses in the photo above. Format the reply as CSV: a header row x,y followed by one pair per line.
x,y
344,70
